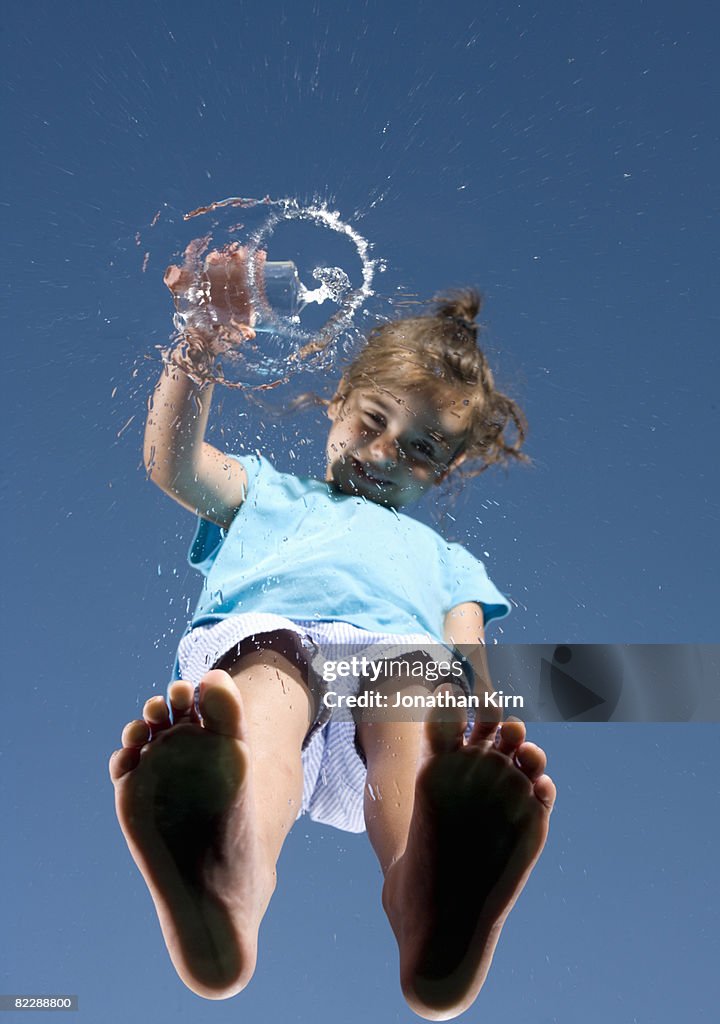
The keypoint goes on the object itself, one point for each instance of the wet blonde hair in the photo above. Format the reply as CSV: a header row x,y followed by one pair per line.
x,y
438,356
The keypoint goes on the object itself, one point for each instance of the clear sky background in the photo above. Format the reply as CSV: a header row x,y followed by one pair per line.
x,y
564,158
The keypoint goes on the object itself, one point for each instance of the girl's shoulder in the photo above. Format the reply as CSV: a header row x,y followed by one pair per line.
x,y
265,476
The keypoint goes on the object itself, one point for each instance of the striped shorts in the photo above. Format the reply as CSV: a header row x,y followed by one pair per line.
x,y
334,769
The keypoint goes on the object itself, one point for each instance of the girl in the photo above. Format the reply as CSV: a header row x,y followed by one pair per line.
x,y
210,781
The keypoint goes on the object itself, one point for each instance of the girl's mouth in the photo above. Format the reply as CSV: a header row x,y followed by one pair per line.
x,y
363,474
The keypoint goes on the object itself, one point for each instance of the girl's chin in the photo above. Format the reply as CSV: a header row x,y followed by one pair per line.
x,y
364,489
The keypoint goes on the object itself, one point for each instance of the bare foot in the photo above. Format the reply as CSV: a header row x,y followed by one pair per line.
x,y
184,802
479,824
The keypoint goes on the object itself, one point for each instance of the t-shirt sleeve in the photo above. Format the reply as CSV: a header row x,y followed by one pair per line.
x,y
209,536
467,580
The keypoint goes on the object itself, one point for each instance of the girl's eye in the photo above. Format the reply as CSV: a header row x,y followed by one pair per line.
x,y
424,449
376,418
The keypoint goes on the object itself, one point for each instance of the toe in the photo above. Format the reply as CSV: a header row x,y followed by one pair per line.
x,y
156,713
122,762
181,696
531,760
220,707
445,727
443,736
512,734
544,789
483,731
135,734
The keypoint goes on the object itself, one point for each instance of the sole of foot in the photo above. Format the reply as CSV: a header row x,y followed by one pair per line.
x,y
479,824
183,798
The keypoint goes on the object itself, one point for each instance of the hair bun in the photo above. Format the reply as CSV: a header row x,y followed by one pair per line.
x,y
459,304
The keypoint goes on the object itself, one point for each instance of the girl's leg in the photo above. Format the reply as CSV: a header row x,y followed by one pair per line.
x,y
392,751
205,806
278,709
457,827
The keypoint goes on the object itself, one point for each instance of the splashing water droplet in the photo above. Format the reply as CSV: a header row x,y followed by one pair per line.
x,y
334,284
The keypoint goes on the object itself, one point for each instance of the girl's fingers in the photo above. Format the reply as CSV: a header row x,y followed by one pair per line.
x,y
178,279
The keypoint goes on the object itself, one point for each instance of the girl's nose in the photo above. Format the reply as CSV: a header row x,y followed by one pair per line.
x,y
384,450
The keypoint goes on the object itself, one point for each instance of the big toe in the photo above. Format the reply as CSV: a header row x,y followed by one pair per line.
x,y
220,705
443,726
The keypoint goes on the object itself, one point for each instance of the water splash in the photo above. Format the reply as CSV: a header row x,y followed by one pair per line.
x,y
334,284
290,344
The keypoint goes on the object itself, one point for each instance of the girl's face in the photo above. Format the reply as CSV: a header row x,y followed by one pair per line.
x,y
392,447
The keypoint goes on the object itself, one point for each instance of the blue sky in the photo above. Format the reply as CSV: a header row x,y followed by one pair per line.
x,y
565,160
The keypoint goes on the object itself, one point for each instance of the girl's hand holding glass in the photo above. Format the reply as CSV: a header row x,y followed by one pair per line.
x,y
212,295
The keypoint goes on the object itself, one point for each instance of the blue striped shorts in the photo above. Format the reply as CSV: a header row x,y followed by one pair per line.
x,y
334,769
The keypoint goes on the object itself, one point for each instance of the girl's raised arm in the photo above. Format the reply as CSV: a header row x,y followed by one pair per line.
x,y
177,457
179,460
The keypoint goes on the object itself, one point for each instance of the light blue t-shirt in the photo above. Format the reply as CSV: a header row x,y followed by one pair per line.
x,y
300,548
